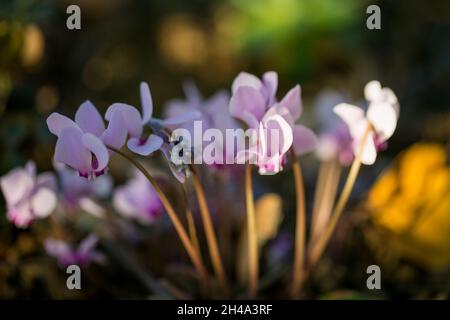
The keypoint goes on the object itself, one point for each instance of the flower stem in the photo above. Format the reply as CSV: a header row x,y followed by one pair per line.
x,y
209,229
251,231
300,227
319,247
189,247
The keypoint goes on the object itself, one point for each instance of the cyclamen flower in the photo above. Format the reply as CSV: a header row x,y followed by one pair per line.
x,y
138,199
83,255
82,143
28,197
254,102
269,145
135,122
381,119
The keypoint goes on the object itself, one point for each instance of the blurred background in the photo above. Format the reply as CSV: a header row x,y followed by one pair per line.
x,y
45,67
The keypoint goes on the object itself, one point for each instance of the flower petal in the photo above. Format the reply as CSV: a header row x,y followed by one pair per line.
x,y
131,116
285,135
353,116
116,133
305,140
369,152
43,202
245,79
71,151
383,118
146,102
16,185
89,119
152,144
56,122
98,149
372,91
270,80
292,102
247,104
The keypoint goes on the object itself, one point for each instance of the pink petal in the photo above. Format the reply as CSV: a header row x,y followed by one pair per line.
x,y
71,151
304,140
132,118
270,80
292,102
146,102
116,133
16,185
247,104
56,122
147,147
89,119
43,202
246,79
98,149
20,215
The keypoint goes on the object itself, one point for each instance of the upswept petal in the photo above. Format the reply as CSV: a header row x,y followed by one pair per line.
x,y
183,117
247,103
131,116
56,122
146,102
16,185
304,140
89,119
116,133
292,102
383,118
270,80
245,79
71,151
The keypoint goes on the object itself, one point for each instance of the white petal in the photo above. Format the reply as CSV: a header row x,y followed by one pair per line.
x,y
383,118
43,202
369,151
16,185
372,91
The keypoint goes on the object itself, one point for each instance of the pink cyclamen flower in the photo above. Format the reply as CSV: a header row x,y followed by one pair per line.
x,y
381,116
254,102
253,99
138,199
269,145
83,255
82,143
28,196
135,122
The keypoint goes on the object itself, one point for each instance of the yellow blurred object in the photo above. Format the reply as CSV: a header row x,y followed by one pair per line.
x,y
33,46
412,201
268,216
